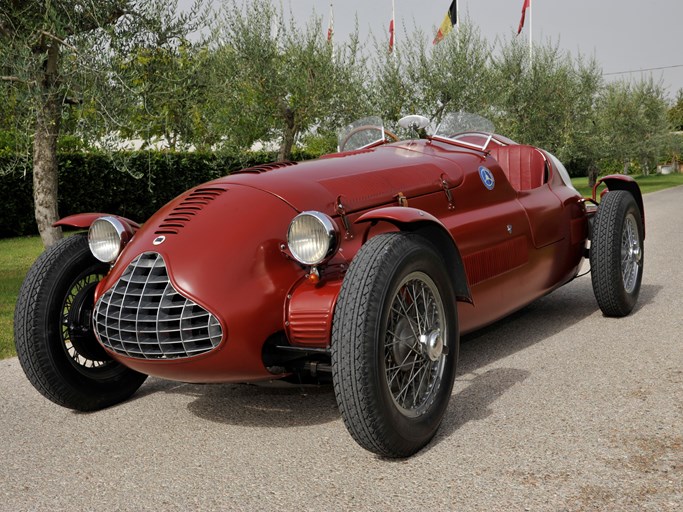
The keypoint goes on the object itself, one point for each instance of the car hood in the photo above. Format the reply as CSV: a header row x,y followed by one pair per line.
x,y
360,179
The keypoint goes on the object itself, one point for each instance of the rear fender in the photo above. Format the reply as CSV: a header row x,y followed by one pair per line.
x,y
622,182
425,224
84,220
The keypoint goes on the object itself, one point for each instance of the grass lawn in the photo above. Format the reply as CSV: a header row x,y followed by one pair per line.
x,y
650,183
17,255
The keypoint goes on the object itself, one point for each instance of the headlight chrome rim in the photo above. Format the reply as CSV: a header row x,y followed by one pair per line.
x,y
107,237
312,238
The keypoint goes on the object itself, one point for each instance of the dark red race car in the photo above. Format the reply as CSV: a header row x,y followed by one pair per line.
x,y
365,265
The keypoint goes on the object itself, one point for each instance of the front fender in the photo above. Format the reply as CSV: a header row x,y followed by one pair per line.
x,y
398,215
84,220
424,223
622,182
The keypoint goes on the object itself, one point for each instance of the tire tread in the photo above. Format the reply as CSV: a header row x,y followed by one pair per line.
x,y
605,254
353,340
33,344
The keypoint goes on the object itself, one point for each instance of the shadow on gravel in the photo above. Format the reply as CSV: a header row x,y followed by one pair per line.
x,y
547,316
472,403
648,293
278,405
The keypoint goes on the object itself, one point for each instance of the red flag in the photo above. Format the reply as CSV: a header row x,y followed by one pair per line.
x,y
449,20
391,36
527,4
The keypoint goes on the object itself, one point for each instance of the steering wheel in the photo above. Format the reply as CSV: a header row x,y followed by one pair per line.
x,y
366,127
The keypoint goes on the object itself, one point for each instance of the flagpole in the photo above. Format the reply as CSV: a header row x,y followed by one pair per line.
x,y
531,24
330,24
393,17
457,12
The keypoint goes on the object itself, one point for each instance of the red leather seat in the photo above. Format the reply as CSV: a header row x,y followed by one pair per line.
x,y
524,166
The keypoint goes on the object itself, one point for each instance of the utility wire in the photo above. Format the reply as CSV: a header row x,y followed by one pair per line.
x,y
640,70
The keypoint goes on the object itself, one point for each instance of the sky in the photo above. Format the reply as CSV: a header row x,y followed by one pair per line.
x,y
623,35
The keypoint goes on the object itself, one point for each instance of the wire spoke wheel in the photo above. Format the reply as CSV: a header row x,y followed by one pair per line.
x,y
77,336
414,355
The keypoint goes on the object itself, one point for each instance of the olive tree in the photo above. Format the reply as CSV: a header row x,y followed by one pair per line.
x,y
675,113
452,75
170,85
391,93
58,55
549,101
582,144
279,79
633,120
419,77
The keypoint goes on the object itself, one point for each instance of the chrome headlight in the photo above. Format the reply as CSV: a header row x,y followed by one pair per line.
x,y
312,237
107,237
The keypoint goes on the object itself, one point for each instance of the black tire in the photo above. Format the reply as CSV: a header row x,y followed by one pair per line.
x,y
53,331
616,253
376,349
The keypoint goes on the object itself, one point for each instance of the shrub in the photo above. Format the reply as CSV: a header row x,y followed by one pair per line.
x,y
131,184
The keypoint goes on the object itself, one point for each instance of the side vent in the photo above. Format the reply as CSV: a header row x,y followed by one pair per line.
x,y
496,260
258,169
195,202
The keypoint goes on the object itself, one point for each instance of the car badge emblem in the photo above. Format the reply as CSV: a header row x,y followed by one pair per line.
x,y
487,178
159,240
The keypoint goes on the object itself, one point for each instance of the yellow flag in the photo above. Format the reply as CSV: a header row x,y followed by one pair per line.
x,y
449,20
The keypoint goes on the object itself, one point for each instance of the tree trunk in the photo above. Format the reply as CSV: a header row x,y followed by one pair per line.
x,y
626,165
592,174
45,170
288,135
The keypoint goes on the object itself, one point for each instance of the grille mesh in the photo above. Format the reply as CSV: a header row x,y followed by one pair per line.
x,y
144,316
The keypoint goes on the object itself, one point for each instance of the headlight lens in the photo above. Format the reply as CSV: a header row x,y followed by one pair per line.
x,y
107,237
312,237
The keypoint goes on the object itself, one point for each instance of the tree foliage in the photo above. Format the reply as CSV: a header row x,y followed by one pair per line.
x,y
675,114
452,75
170,86
547,102
58,55
633,122
280,80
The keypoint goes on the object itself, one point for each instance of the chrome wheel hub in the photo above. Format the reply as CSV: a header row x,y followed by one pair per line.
x,y
432,344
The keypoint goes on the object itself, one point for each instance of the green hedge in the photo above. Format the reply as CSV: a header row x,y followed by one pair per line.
x,y
132,184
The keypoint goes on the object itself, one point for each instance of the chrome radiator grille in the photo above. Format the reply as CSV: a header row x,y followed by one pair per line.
x,y
144,316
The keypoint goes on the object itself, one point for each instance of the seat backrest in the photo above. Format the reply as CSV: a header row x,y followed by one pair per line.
x,y
525,166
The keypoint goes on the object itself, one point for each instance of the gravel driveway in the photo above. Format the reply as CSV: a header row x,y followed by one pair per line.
x,y
555,408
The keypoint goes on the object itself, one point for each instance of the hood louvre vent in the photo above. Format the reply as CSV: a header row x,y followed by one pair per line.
x,y
258,169
193,203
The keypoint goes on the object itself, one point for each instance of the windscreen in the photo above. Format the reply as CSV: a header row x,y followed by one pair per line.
x,y
361,133
465,128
